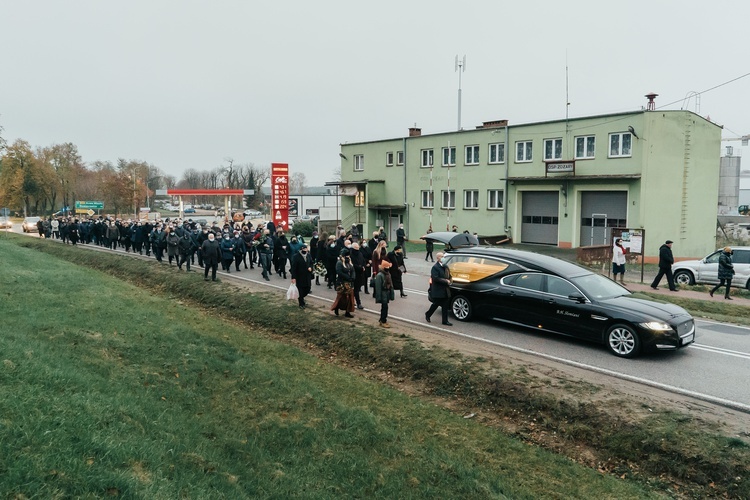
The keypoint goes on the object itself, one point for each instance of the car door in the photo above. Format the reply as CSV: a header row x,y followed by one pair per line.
x,y
741,262
708,269
571,316
521,299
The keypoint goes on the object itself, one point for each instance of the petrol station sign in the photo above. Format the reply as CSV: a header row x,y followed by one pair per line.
x,y
280,194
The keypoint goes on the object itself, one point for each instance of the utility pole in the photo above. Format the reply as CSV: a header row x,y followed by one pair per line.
x,y
460,68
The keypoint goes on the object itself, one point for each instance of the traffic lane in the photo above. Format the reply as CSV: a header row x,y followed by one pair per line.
x,y
703,368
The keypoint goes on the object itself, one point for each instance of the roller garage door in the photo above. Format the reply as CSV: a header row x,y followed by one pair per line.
x,y
600,211
539,217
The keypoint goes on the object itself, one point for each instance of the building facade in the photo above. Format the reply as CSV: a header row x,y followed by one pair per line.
x,y
563,183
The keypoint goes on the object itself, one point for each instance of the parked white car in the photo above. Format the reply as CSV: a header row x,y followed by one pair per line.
x,y
690,272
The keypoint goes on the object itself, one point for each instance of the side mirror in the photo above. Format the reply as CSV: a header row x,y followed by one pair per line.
x,y
577,297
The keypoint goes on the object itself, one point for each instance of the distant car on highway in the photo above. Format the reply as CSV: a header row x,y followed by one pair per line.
x,y
189,210
6,223
29,224
253,214
706,270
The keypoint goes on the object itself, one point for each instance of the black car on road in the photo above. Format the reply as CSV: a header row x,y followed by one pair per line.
x,y
553,295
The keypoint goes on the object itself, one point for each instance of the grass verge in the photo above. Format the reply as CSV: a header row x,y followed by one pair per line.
x,y
660,449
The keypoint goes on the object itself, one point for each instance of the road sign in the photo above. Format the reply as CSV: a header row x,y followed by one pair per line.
x,y
90,212
84,205
5,212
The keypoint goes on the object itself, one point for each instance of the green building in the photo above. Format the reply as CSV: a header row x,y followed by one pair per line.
x,y
564,182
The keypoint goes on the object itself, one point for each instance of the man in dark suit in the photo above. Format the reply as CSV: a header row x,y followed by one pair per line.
x,y
665,266
439,293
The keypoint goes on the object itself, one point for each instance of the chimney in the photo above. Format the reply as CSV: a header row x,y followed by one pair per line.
x,y
494,124
415,132
651,105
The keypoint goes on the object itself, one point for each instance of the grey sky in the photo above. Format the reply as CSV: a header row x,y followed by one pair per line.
x,y
186,84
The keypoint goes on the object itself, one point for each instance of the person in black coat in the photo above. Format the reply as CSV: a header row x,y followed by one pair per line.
x,y
726,272
211,252
185,249
396,258
665,266
439,292
358,261
301,271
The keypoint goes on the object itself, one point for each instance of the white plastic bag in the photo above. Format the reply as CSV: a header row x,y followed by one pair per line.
x,y
292,293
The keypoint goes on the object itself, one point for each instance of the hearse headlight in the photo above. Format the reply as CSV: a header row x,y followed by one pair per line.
x,y
657,326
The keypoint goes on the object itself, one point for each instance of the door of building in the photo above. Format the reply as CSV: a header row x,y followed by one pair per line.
x,y
539,217
601,210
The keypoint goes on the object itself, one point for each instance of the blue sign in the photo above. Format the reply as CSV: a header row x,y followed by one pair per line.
x,y
4,212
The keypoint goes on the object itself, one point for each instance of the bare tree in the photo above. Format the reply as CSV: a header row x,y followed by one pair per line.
x,y
297,183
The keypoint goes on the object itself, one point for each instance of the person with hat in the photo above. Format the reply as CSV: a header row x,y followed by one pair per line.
x,y
726,272
383,285
344,285
665,266
301,271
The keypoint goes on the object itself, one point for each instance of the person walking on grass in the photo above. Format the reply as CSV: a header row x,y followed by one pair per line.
x,y
665,266
384,292
726,273
439,293
618,260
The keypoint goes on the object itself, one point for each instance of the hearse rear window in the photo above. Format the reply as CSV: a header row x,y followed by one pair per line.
x,y
469,268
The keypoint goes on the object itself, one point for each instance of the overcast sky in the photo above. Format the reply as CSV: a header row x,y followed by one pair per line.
x,y
187,84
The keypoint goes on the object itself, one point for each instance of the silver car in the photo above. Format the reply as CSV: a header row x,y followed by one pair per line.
x,y
706,270
29,224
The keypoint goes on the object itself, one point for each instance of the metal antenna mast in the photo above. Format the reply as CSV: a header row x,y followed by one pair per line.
x,y
460,67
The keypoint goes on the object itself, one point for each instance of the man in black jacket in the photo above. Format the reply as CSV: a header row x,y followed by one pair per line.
x,y
665,266
439,293
301,271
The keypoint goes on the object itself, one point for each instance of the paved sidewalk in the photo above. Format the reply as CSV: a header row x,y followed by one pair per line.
x,y
689,294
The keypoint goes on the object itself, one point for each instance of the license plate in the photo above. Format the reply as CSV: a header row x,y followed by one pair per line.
x,y
688,339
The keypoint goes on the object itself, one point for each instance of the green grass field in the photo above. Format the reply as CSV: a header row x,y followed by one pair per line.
x,y
107,389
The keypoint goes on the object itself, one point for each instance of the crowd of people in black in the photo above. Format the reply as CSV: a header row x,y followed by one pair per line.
x,y
344,261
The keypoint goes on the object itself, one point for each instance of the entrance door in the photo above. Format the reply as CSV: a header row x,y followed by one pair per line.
x,y
539,217
600,211
393,222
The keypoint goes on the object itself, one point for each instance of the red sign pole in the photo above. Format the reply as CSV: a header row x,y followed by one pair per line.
x,y
280,195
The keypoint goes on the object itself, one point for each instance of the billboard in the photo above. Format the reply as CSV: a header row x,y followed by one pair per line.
x,y
280,195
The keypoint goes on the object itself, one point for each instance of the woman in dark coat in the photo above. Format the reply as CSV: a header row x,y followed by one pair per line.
x,y
301,272
211,252
332,258
396,258
173,241
227,252
344,285
726,272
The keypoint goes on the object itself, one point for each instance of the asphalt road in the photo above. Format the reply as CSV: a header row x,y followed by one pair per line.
x,y
715,368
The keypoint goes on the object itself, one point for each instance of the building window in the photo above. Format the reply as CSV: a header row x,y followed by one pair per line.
x,y
359,199
523,151
494,199
428,199
472,155
552,149
359,163
427,158
497,153
585,147
471,199
620,144
389,159
449,199
449,156
399,158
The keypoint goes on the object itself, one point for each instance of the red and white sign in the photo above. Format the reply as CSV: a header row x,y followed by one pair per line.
x,y
280,194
